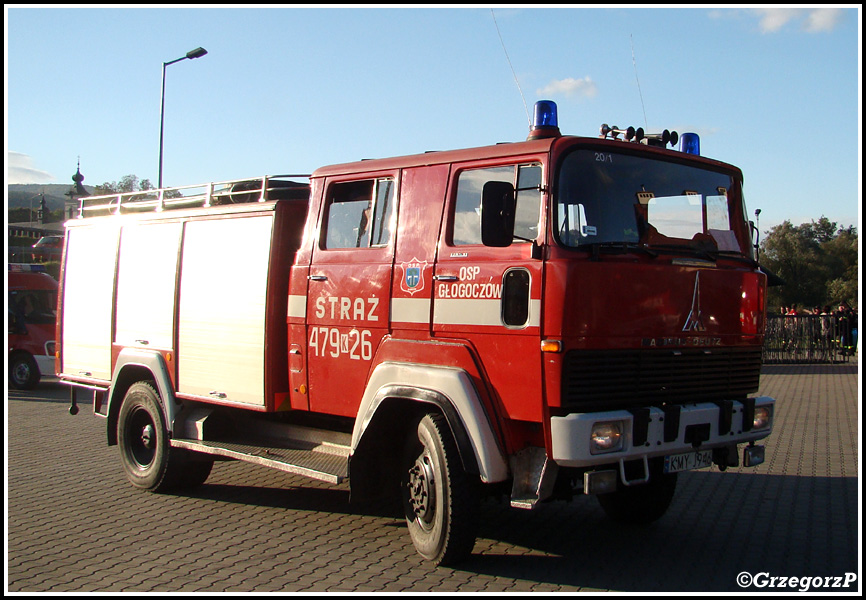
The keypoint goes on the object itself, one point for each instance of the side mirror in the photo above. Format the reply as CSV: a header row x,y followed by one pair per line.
x,y
498,202
755,235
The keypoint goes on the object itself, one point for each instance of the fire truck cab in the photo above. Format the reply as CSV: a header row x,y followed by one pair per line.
x,y
555,316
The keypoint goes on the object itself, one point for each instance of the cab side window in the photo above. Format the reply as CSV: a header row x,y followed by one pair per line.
x,y
360,214
526,179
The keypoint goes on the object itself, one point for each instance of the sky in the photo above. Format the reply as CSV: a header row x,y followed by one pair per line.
x,y
775,91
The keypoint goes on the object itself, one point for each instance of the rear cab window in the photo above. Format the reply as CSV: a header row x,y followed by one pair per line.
x,y
360,214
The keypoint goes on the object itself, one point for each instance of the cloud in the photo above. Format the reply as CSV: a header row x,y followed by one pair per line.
x,y
773,19
19,170
823,19
570,87
814,20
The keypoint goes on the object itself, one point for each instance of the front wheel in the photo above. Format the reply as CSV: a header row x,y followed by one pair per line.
x,y
23,371
440,500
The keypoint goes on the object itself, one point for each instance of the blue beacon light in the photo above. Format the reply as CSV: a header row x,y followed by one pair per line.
x,y
690,143
545,122
545,114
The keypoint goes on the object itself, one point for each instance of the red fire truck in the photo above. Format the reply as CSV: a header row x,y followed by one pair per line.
x,y
557,316
31,307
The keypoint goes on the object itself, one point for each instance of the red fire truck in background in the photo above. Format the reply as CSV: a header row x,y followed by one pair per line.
x,y
557,316
31,309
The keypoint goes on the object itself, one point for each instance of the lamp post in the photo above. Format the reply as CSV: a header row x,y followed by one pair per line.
x,y
198,52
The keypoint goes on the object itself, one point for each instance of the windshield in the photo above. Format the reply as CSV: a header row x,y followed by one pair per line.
x,y
49,242
35,307
612,198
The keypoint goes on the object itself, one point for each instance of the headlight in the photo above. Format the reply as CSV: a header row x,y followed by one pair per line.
x,y
605,437
763,417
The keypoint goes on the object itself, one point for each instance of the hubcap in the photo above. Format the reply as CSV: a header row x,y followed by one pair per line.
x,y
147,436
21,373
142,439
422,491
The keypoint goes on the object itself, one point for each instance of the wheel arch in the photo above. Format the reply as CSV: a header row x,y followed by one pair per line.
x,y
19,352
396,392
133,366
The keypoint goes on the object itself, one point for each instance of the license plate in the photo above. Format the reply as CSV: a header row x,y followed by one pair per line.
x,y
690,460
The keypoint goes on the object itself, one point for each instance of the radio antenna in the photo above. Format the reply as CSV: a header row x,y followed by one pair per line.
x,y
528,120
634,63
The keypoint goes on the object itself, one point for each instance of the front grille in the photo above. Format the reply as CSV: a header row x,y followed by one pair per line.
x,y
614,379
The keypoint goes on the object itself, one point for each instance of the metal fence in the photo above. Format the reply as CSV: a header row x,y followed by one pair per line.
x,y
810,338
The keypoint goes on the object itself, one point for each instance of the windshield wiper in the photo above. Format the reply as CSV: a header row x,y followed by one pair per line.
x,y
617,248
705,253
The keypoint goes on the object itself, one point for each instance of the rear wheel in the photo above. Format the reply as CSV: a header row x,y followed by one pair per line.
x,y
149,461
440,500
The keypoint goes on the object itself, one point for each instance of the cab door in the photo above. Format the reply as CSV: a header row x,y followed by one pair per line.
x,y
491,296
348,297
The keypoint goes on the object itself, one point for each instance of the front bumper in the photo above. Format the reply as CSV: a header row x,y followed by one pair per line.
x,y
658,431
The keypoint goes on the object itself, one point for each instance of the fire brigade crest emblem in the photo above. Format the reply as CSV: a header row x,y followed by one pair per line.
x,y
413,276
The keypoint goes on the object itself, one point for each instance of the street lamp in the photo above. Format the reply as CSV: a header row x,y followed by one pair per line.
x,y
198,52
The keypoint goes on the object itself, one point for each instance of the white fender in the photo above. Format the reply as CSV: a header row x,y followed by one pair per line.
x,y
153,362
448,384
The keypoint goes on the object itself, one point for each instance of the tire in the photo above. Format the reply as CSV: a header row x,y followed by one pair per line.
x,y
644,503
440,500
149,461
23,371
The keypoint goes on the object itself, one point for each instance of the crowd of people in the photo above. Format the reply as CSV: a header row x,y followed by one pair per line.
x,y
821,330
793,310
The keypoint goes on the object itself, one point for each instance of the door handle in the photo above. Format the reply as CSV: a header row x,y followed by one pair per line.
x,y
317,277
445,277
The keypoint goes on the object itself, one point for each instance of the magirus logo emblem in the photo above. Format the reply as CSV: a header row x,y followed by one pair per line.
x,y
694,322
413,276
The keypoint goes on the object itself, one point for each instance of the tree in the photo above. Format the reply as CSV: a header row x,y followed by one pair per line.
x,y
817,260
23,215
20,215
130,183
842,255
127,183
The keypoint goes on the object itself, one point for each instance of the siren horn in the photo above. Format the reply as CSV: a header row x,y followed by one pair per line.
x,y
662,139
631,133
628,134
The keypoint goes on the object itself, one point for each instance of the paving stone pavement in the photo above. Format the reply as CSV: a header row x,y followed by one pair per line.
x,y
74,524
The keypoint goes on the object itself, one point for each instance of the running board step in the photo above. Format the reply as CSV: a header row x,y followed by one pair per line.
x,y
315,464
